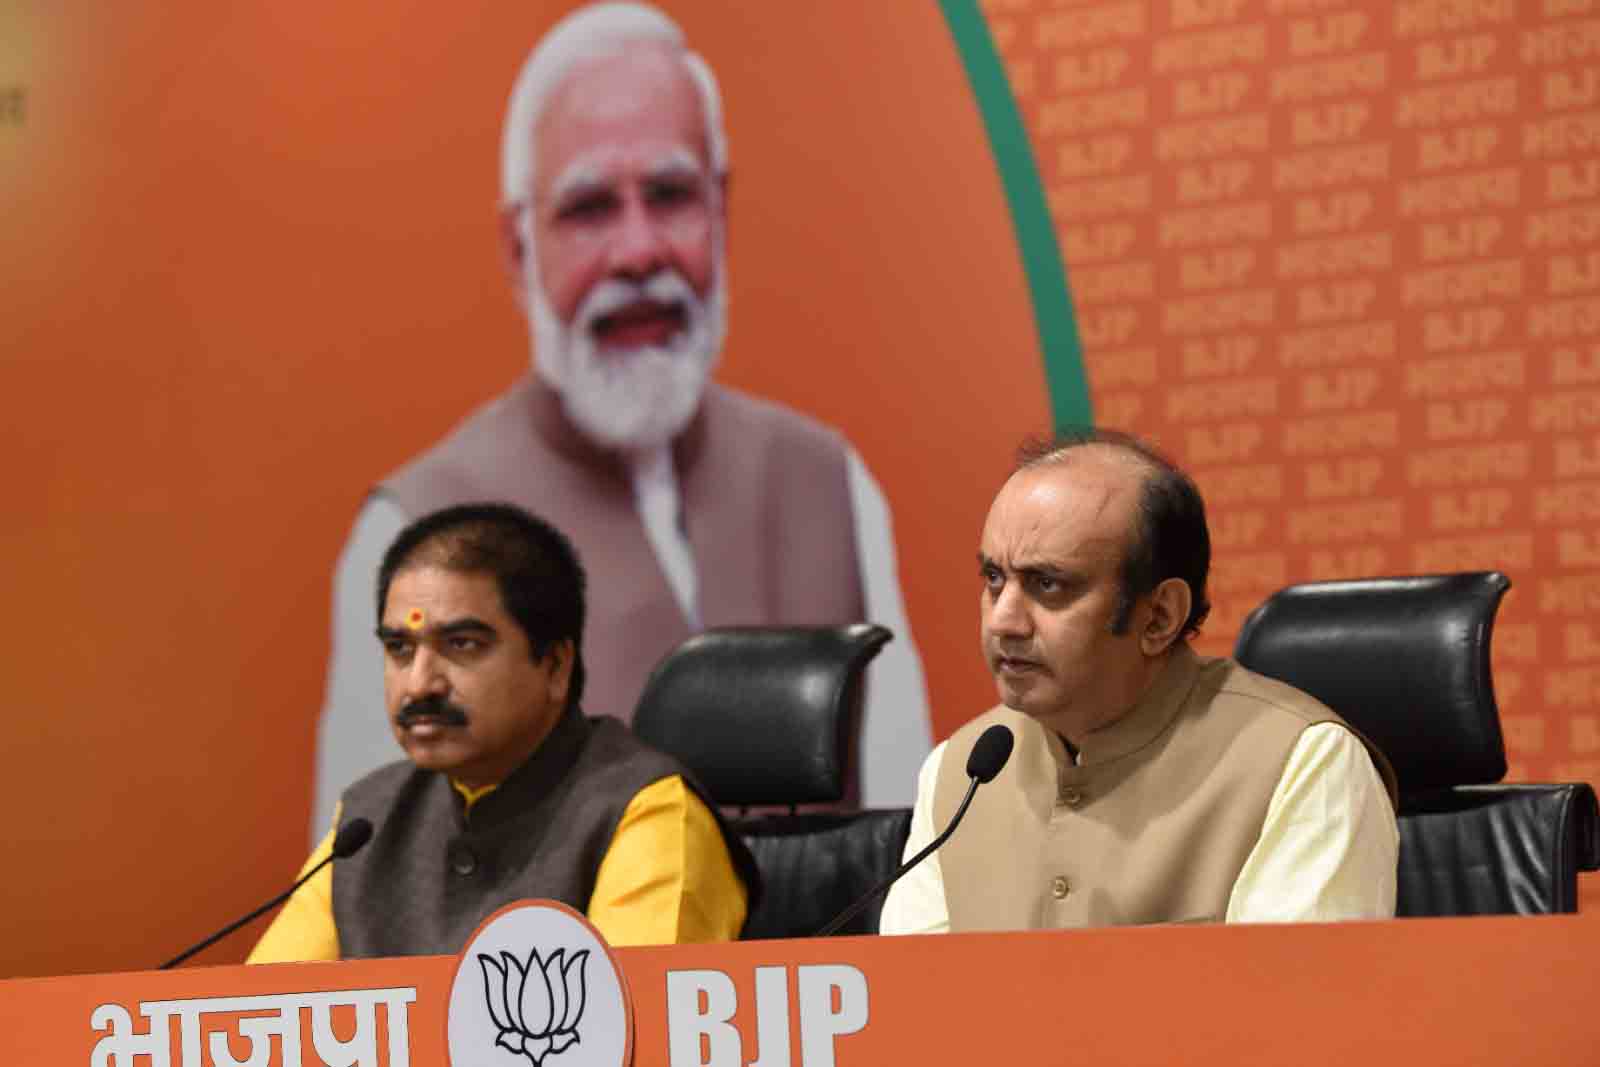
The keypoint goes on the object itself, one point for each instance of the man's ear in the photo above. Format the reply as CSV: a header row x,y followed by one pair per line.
x,y
560,656
514,249
1169,610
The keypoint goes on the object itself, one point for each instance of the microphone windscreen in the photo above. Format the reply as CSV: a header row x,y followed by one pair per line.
x,y
355,833
990,753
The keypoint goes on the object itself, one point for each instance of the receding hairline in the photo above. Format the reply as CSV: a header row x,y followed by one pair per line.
x,y
1034,456
1106,455
1109,455
445,550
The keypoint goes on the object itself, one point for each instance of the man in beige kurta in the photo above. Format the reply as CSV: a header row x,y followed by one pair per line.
x,y
1147,784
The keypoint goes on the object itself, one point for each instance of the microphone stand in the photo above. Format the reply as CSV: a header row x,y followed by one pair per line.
x,y
230,928
855,909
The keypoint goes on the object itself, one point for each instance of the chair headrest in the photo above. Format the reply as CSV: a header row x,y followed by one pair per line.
x,y
761,715
1403,660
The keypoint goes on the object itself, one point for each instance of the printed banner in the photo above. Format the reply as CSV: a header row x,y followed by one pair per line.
x,y
1340,258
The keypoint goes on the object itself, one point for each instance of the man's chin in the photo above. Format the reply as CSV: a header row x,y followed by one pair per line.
x,y
431,753
1033,693
1018,694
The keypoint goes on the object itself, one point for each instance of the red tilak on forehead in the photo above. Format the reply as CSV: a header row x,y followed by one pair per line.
x,y
416,620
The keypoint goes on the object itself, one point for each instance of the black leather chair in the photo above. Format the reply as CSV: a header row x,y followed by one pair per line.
x,y
765,718
1406,662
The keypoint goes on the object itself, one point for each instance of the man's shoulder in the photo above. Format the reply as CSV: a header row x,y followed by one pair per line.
x,y
612,746
611,736
734,413
1239,683
1264,697
1248,697
492,426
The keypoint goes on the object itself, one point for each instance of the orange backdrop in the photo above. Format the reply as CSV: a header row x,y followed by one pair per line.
x,y
1340,257
250,264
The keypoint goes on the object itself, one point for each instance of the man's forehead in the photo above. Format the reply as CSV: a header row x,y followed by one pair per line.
x,y
429,596
637,99
1081,507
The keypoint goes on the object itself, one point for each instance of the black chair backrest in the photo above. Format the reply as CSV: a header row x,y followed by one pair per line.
x,y
1403,660
764,717
1406,662
761,714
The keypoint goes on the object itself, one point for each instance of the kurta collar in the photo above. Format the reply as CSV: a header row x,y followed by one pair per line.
x,y
530,783
1154,712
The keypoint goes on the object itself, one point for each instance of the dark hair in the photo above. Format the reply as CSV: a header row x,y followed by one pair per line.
x,y
540,579
1169,538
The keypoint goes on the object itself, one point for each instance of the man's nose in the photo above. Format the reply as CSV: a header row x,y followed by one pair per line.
x,y
639,247
425,676
1008,613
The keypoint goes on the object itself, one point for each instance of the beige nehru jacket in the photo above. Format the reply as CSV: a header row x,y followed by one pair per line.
x,y
1161,811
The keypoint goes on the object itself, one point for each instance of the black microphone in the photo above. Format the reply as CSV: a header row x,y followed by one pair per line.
x,y
988,756
346,843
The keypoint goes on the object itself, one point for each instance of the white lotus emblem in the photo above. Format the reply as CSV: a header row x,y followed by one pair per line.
x,y
536,1007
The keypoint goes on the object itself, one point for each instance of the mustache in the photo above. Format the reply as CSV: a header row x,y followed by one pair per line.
x,y
1021,655
432,707
666,287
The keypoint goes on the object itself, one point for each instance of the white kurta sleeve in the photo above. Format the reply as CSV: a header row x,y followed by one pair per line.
x,y
896,733
916,904
353,736
1329,848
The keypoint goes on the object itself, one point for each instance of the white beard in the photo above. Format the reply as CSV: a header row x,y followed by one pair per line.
x,y
640,398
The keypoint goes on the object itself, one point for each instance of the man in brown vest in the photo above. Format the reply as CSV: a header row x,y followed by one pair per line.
x,y
696,505
1147,785
508,791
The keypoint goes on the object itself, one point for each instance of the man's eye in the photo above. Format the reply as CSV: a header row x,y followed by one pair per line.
x,y
993,578
670,195
397,649
585,209
465,644
1046,584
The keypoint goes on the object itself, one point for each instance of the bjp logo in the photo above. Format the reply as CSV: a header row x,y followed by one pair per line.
x,y
536,1007
536,985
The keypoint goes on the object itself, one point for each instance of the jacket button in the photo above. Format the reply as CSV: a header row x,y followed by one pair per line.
x,y
1059,887
463,862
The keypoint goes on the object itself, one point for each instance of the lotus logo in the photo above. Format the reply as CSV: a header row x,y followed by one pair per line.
x,y
537,1006
536,985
